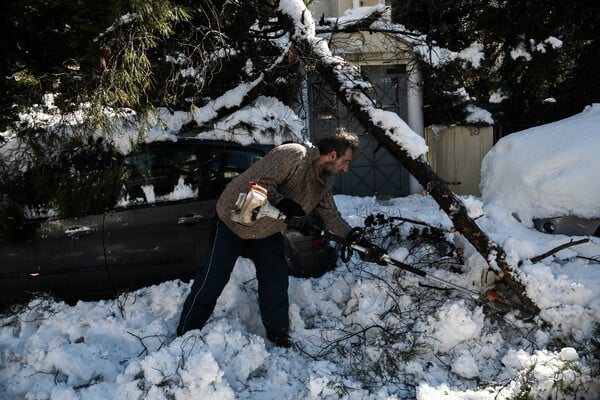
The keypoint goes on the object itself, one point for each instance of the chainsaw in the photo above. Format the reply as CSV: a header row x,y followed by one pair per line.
x,y
254,205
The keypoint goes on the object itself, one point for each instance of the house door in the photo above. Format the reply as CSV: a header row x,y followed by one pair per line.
x,y
374,170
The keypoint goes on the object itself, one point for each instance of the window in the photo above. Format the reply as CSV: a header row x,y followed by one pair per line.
x,y
175,171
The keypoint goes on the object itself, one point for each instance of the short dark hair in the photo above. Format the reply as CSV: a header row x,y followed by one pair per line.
x,y
339,142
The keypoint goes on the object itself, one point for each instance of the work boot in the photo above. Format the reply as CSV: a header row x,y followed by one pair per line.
x,y
280,340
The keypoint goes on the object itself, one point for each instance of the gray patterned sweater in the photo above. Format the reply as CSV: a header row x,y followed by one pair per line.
x,y
286,171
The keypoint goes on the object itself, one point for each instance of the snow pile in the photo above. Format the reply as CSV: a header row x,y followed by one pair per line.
x,y
554,169
362,331
265,121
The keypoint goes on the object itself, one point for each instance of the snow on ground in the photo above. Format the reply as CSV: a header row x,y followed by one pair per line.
x,y
361,331
445,346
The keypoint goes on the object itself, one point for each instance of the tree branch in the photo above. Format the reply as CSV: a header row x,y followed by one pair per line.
x,y
557,249
350,87
218,108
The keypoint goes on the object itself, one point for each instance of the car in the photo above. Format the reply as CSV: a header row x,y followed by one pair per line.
x,y
133,221
546,176
568,225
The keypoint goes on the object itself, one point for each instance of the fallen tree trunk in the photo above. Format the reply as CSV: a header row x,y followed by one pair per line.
x,y
350,86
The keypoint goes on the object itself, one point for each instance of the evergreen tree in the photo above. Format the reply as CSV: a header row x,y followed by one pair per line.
x,y
117,54
48,47
137,54
538,64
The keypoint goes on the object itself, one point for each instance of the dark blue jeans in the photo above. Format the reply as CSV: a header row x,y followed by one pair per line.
x,y
268,255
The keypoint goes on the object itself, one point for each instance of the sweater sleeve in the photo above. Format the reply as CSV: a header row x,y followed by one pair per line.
x,y
332,217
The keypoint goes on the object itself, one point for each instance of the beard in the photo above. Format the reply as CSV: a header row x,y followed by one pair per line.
x,y
329,169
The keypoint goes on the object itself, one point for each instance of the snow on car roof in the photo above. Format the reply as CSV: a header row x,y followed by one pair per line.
x,y
547,171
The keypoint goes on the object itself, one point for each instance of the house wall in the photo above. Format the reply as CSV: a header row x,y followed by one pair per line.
x,y
371,48
455,154
336,8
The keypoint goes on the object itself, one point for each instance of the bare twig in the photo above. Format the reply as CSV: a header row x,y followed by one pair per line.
x,y
141,340
557,249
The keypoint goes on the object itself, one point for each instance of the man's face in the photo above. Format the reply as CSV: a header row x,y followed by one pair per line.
x,y
339,164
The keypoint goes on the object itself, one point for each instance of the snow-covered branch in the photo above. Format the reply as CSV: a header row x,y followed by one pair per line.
x,y
394,134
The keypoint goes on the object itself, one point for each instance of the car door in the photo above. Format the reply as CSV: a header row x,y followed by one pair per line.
x,y
161,230
61,256
58,248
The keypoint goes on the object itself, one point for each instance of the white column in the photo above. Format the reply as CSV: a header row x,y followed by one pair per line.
x,y
415,112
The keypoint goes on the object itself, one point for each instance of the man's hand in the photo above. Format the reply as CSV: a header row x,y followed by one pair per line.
x,y
308,225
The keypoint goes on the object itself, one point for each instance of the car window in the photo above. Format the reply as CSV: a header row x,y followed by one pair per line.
x,y
159,173
225,164
76,179
89,182
236,162
171,171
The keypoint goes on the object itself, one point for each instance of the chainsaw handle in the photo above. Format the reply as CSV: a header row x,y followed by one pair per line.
x,y
346,253
389,260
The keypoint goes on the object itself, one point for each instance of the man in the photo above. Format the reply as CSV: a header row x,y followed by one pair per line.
x,y
298,179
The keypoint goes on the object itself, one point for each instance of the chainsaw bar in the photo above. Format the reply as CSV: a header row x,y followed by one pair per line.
x,y
498,299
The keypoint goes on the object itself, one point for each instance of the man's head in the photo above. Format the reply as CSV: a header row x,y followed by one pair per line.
x,y
336,152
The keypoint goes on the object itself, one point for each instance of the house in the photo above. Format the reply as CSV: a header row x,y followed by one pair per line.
x,y
387,60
